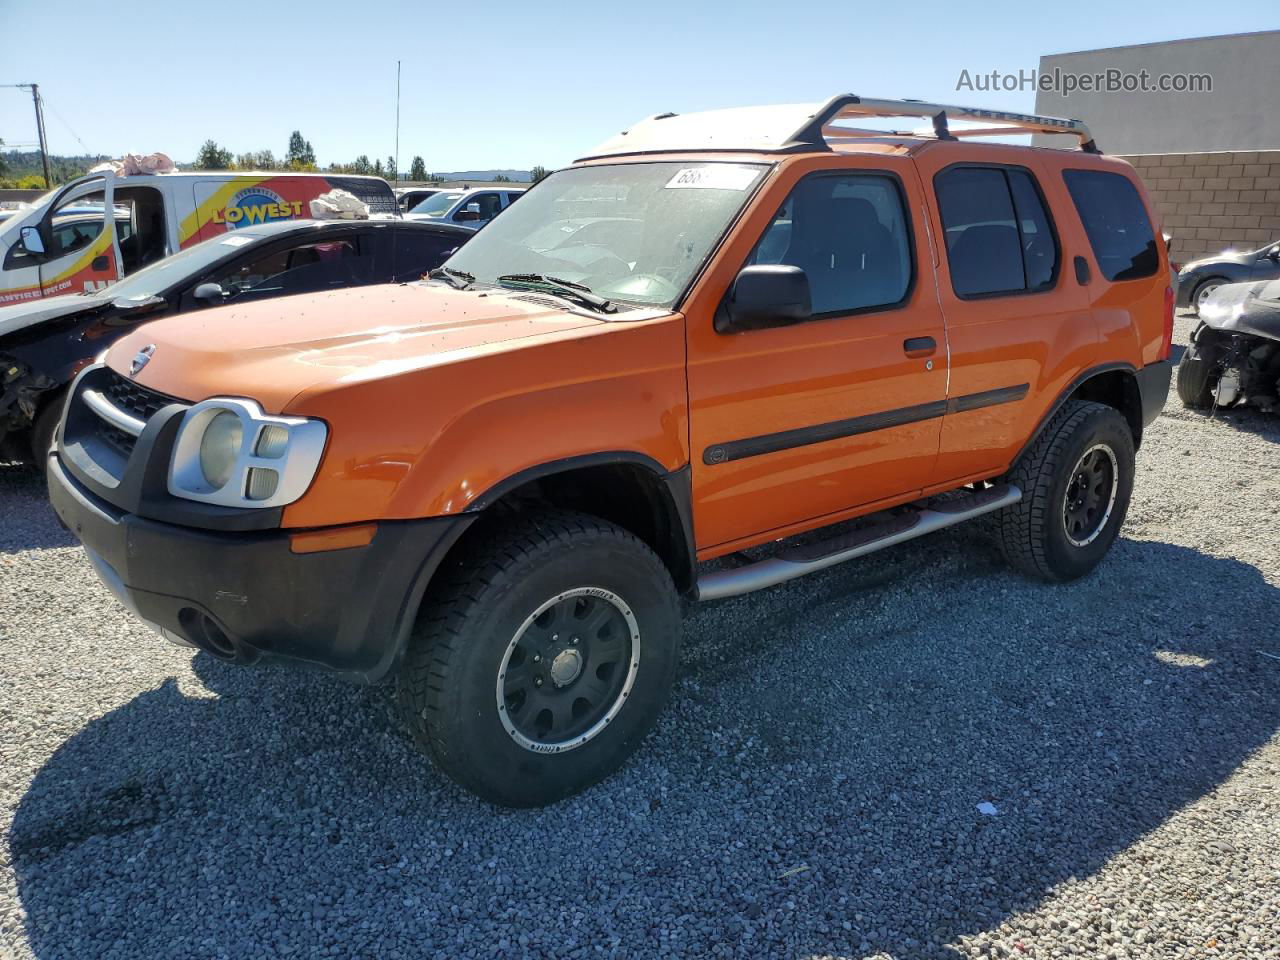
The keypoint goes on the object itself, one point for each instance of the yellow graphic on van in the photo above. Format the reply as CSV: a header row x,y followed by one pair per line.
x,y
256,204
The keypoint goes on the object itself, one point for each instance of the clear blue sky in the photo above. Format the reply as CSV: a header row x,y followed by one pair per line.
x,y
501,84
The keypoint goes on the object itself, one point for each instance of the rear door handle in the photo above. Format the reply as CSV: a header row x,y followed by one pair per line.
x,y
919,346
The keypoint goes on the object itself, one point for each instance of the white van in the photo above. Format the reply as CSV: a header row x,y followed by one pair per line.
x,y
58,245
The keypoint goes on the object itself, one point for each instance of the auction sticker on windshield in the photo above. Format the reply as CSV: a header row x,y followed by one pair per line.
x,y
717,176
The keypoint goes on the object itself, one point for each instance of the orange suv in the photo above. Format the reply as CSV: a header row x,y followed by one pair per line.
x,y
720,351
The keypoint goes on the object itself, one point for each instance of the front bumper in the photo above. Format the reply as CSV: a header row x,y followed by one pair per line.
x,y
246,596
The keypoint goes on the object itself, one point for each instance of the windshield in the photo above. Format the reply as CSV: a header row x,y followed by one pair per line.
x,y
634,232
185,264
437,205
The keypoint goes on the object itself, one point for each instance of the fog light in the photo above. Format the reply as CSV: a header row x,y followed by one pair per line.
x,y
262,483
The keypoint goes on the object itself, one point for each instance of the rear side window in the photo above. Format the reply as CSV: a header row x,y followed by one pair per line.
x,y
999,237
1116,223
849,234
306,268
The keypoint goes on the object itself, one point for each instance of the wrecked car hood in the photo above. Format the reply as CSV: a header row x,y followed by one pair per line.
x,y
20,316
1252,308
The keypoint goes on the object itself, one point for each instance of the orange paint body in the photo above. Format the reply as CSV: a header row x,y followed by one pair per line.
x,y
433,396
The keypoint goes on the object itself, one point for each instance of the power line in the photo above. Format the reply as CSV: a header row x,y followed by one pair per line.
x,y
83,145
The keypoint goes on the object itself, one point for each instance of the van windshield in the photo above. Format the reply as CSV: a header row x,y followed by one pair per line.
x,y
631,232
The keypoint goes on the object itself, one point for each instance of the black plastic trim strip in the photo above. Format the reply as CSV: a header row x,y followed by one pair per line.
x,y
839,429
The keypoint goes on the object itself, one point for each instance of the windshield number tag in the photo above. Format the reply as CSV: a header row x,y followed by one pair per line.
x,y
719,176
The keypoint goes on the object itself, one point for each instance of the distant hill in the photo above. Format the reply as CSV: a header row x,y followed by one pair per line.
x,y
516,176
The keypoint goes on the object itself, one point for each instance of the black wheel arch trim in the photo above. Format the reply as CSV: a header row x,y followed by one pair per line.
x,y
677,485
1146,402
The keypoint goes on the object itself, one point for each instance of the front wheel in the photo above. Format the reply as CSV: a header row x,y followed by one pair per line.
x,y
1195,388
542,662
1203,292
1076,481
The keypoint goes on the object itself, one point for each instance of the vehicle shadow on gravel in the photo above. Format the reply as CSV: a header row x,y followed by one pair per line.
x,y
812,788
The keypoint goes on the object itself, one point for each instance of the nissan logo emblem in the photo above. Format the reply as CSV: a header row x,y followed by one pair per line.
x,y
140,360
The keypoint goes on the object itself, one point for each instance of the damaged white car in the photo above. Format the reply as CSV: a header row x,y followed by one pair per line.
x,y
1234,354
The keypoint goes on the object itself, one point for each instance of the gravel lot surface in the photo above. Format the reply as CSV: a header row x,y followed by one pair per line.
x,y
812,791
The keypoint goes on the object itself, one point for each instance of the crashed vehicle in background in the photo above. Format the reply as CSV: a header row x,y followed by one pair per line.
x,y
1234,355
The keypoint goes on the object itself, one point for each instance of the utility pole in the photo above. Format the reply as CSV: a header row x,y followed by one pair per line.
x,y
397,170
44,147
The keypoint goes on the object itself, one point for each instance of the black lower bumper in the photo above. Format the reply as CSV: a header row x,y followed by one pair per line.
x,y
247,596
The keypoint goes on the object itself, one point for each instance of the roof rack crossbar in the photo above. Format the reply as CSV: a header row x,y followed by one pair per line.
x,y
999,122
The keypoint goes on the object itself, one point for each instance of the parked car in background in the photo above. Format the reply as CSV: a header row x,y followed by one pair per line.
x,y
470,208
44,343
498,486
1234,354
166,213
1200,278
409,197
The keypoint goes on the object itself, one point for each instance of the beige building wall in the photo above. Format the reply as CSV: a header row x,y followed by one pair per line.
x,y
1210,202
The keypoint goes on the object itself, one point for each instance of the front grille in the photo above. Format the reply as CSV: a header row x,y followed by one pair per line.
x,y
134,398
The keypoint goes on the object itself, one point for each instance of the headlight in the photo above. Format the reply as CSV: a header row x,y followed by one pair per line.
x,y
219,448
228,452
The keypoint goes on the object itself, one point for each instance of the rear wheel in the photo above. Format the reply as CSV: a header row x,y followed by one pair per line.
x,y
1076,481
543,661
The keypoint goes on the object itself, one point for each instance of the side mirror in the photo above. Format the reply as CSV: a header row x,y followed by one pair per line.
x,y
31,239
131,308
763,296
1273,253
209,293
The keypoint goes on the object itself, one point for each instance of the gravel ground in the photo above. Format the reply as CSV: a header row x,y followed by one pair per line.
x,y
812,791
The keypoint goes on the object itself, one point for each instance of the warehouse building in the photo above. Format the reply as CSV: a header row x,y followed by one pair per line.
x,y
1207,149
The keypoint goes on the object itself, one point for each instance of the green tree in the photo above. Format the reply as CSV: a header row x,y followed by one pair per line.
x,y
362,164
392,172
300,156
537,173
213,157
257,160
418,170
501,178
4,164
377,168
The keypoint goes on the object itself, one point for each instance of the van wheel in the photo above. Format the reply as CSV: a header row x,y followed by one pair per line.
x,y
1194,375
543,659
1076,481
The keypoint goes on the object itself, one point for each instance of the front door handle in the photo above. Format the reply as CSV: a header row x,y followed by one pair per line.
x,y
919,347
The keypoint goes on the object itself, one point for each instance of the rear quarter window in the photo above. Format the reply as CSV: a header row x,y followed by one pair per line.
x,y
1116,223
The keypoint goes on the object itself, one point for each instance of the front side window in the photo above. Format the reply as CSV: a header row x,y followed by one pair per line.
x,y
1116,223
632,232
308,268
417,253
849,234
998,234
490,205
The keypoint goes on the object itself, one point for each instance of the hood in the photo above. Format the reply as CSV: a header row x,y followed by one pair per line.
x,y
1226,256
1252,308
19,316
274,350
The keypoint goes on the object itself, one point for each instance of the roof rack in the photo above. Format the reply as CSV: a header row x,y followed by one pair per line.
x,y
803,127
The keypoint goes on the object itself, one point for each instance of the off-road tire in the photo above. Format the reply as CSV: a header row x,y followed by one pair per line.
x,y
1194,376
1032,533
446,688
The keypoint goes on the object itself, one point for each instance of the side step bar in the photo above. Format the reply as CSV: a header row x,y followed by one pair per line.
x,y
897,528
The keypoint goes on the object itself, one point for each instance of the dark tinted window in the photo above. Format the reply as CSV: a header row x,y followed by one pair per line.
x,y
490,205
418,252
306,268
1116,222
998,235
849,234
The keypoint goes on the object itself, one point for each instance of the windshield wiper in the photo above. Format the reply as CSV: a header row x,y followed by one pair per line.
x,y
458,279
576,292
